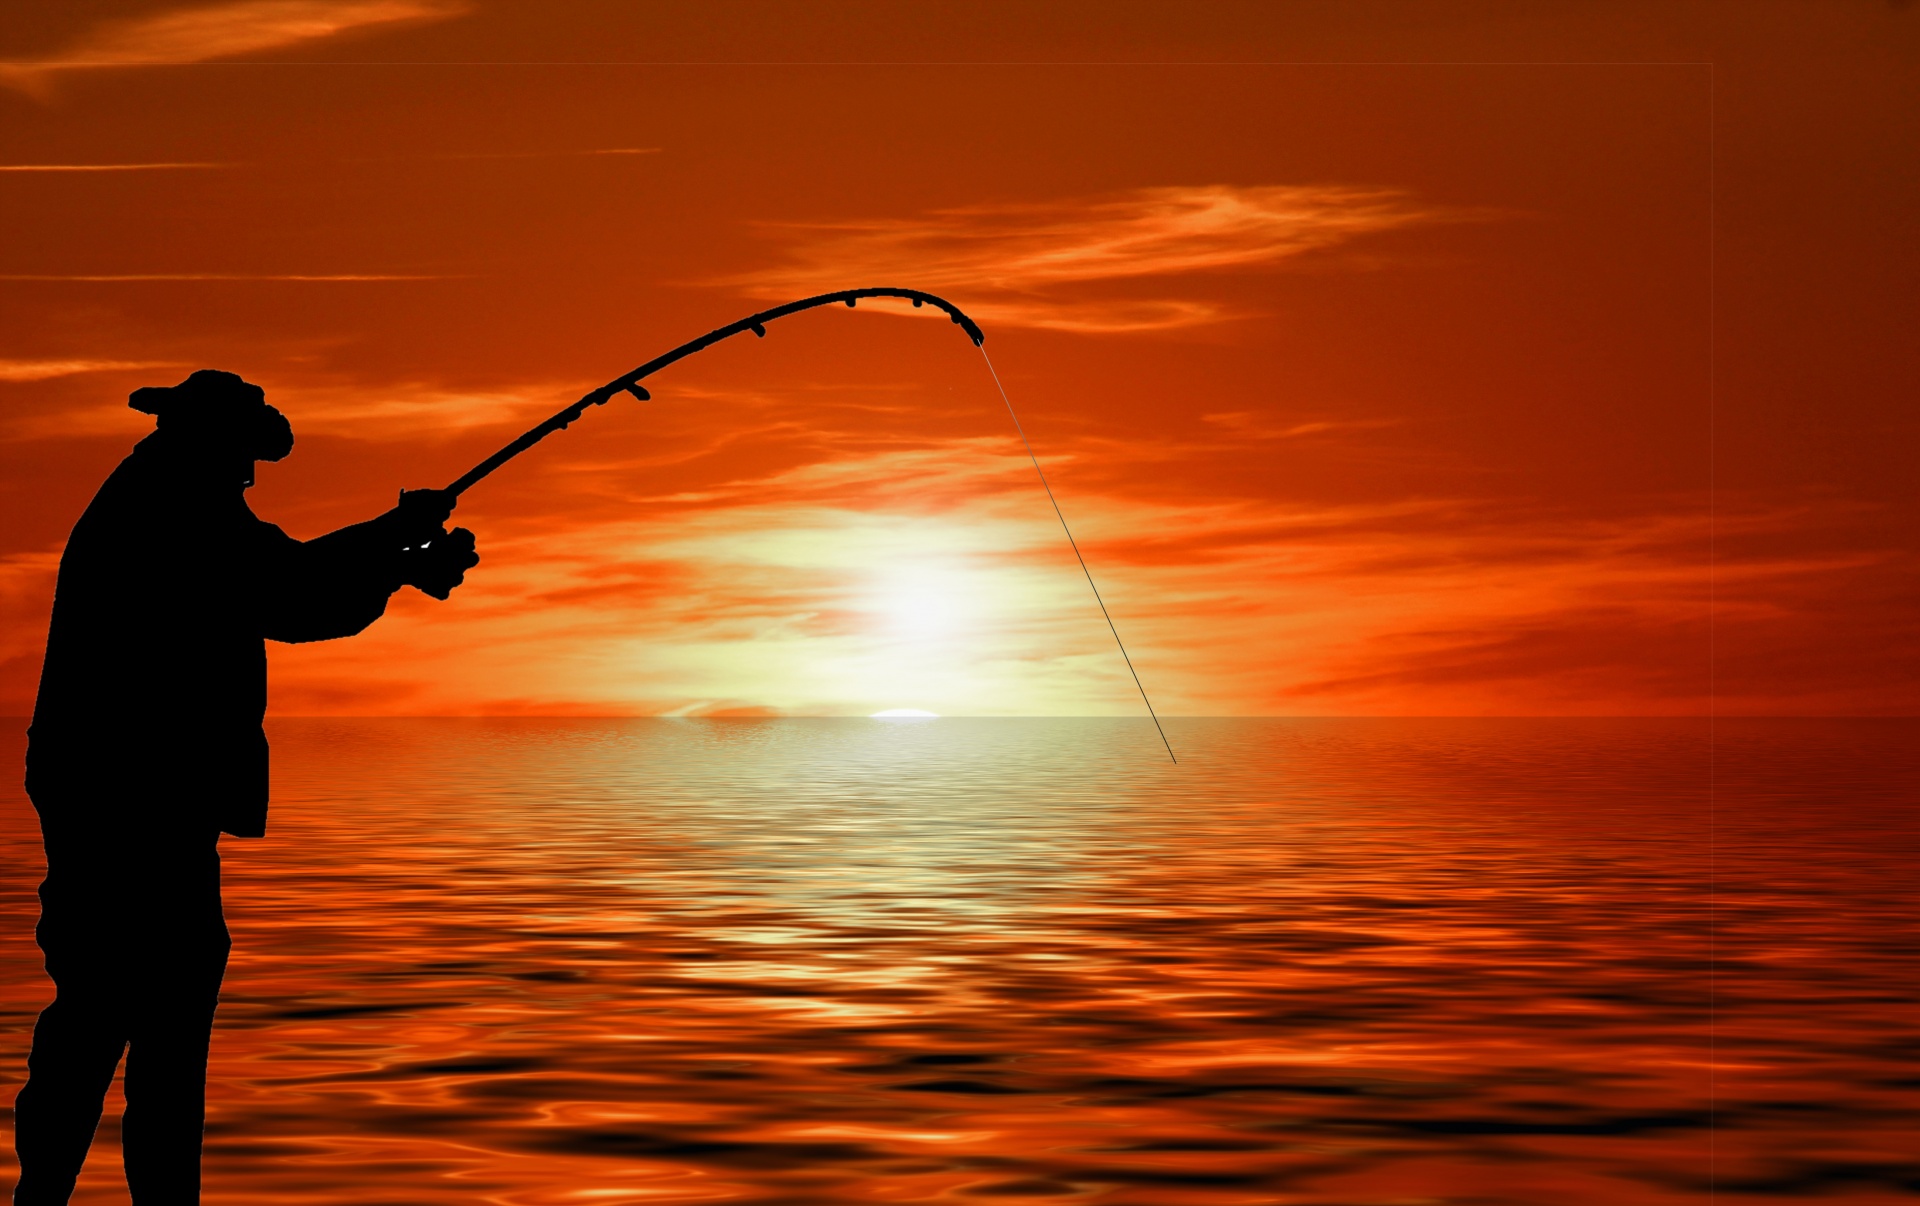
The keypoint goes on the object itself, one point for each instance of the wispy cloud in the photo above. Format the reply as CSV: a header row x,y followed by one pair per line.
x,y
1029,264
409,412
216,31
1246,425
105,167
43,370
225,276
549,154
191,166
397,412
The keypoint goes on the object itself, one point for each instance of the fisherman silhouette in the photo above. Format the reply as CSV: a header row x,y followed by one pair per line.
x,y
146,745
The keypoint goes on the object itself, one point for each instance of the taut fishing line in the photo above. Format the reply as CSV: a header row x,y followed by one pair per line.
x,y
1075,545
630,383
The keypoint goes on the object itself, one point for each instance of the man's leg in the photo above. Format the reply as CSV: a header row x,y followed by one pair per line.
x,y
167,1087
185,956
76,1046
78,1039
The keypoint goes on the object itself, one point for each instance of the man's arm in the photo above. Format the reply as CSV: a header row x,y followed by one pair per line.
x,y
336,585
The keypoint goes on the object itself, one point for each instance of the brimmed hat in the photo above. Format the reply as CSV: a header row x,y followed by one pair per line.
x,y
220,407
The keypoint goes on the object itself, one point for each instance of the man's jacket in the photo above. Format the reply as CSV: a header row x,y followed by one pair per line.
x,y
155,682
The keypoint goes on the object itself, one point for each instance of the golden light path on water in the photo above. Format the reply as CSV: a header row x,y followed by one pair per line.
x,y
555,962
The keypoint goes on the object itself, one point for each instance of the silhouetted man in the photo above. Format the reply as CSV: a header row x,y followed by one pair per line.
x,y
146,745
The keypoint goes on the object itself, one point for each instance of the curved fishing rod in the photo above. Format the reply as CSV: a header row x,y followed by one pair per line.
x,y
629,382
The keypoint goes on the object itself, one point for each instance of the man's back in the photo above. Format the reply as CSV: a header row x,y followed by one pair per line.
x,y
156,667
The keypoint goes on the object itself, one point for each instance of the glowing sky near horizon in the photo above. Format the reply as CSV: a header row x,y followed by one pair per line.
x,y
1367,388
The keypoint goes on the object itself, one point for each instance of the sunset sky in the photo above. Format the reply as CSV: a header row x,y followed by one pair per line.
x,y
1387,358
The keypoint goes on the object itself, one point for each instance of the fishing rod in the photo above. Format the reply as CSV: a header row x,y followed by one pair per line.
x,y
629,383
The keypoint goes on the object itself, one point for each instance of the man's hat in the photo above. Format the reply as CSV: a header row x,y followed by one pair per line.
x,y
221,407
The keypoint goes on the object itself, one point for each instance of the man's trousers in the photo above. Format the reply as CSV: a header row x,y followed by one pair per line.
x,y
136,945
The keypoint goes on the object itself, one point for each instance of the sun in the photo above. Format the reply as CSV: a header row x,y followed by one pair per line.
x,y
924,602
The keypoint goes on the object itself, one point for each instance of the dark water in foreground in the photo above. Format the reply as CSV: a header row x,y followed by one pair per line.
x,y
545,963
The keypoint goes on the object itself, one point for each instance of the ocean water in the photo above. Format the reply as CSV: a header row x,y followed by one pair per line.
x,y
1324,962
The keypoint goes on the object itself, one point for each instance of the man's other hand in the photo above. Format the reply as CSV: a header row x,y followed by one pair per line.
x,y
441,564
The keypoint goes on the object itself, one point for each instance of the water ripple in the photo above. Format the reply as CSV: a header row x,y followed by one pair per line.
x,y
548,963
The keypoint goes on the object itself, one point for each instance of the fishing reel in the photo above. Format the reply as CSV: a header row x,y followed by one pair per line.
x,y
434,559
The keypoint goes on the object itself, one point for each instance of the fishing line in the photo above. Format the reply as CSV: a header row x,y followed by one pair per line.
x,y
629,383
1075,545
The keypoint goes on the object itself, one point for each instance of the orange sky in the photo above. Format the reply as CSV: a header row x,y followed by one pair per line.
x,y
1396,358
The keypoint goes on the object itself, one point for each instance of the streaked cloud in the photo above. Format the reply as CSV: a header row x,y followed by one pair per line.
x,y
1246,425
393,412
1147,232
106,167
227,276
197,166
43,370
216,31
1031,264
549,154
1099,317
410,412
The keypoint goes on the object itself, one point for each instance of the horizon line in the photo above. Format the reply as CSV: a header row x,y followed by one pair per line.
x,y
1091,716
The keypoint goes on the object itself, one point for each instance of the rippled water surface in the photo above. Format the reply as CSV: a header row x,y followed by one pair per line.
x,y
1327,962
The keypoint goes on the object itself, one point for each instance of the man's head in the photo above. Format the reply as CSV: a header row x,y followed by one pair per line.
x,y
219,414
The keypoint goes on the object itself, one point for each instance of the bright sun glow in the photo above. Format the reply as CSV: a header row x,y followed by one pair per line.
x,y
905,714
924,602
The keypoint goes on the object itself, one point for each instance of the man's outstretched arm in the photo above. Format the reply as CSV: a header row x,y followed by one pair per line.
x,y
336,585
